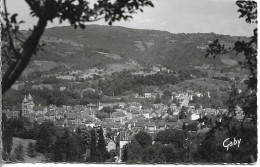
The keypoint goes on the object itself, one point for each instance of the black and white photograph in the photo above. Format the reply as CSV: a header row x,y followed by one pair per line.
x,y
129,82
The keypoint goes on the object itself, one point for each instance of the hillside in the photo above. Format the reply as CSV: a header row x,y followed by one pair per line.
x,y
98,46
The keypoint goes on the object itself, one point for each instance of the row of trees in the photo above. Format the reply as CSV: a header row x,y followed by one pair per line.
x,y
125,81
169,146
21,128
181,146
56,144
46,97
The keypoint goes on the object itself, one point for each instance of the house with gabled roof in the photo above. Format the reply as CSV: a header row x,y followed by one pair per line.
x,y
153,114
146,115
164,115
39,110
79,107
8,113
165,125
124,138
110,144
150,126
88,119
11,113
159,106
210,111
119,116
199,94
16,111
49,115
72,118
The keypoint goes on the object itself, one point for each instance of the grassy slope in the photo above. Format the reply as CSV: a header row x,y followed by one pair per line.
x,y
24,143
174,50
201,84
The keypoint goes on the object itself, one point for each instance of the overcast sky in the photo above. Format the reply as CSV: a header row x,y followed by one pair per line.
x,y
176,16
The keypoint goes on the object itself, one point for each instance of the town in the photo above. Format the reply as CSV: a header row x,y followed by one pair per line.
x,y
175,84
126,119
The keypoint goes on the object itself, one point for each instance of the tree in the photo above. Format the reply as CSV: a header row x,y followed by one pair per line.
x,y
167,95
59,155
7,132
174,141
124,155
108,109
69,147
75,148
183,113
247,100
31,152
86,136
76,12
157,99
93,146
154,154
144,139
134,152
19,153
46,137
171,154
101,146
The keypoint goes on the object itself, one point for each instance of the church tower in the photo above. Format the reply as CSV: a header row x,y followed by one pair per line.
x,y
27,105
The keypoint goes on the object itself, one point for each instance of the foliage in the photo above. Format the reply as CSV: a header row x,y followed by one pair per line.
x,y
134,152
125,81
76,12
46,137
19,153
247,100
7,137
124,155
92,96
101,115
143,138
101,146
86,136
69,148
154,154
171,136
183,113
93,146
31,152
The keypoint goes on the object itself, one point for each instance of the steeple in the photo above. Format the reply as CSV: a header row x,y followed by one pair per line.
x,y
25,99
30,97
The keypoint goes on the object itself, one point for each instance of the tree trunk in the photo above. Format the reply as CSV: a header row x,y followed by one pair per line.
x,y
16,68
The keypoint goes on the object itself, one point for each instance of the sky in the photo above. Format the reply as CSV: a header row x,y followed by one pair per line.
x,y
175,16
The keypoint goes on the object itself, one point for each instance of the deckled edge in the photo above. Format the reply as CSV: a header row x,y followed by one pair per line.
x,y
1,145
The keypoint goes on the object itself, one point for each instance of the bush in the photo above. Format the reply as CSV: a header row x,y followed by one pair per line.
x,y
19,153
31,150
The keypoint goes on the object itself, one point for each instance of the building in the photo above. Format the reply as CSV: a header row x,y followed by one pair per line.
x,y
27,105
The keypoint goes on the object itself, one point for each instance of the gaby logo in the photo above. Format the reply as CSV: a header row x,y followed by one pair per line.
x,y
228,143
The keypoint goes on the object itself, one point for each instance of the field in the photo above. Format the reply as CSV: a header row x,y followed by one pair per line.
x,y
201,84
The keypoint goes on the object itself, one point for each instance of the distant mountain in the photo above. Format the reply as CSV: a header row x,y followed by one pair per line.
x,y
97,46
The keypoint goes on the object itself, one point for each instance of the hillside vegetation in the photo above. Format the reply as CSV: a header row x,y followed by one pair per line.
x,y
98,46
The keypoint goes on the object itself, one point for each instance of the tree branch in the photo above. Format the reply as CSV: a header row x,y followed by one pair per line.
x,y
16,68
17,54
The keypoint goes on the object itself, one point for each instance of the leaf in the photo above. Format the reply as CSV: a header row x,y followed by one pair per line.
x,y
13,18
82,26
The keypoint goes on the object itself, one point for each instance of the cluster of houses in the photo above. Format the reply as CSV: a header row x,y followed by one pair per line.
x,y
125,120
183,97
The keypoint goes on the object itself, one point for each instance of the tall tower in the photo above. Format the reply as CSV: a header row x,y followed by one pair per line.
x,y
27,105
